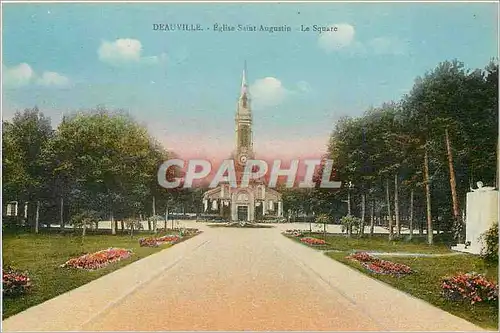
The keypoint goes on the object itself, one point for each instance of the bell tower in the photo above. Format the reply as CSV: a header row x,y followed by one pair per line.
x,y
243,122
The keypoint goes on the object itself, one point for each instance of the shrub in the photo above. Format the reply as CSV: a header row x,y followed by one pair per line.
x,y
15,282
323,219
471,286
85,219
349,223
490,250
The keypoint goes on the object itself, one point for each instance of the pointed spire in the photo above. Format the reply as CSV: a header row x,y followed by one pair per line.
x,y
244,86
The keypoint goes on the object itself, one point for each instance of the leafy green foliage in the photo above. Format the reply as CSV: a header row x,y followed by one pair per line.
x,y
349,223
85,219
323,219
390,141
490,238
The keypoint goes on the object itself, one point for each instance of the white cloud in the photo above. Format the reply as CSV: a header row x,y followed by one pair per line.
x,y
339,39
23,74
268,91
17,76
53,79
343,39
387,45
123,51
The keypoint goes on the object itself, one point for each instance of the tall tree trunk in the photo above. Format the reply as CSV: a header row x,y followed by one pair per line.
x,y
113,224
430,234
324,230
61,215
372,218
389,215
453,184
363,213
498,164
411,214
37,216
457,223
348,202
155,221
122,225
396,206
166,217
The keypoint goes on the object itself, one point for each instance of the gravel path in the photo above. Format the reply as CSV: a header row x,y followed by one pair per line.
x,y
237,279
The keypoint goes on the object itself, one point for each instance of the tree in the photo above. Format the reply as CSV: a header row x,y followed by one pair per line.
x,y
106,160
84,220
401,143
23,141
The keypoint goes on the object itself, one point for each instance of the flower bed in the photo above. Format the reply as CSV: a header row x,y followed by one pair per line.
x,y
294,233
380,266
14,282
150,242
312,241
362,257
168,239
99,259
472,287
153,242
189,232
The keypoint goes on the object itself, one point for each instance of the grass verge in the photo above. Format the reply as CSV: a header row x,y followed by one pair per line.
x,y
425,283
41,255
377,243
250,226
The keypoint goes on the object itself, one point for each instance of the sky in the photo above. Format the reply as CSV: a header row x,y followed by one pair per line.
x,y
184,85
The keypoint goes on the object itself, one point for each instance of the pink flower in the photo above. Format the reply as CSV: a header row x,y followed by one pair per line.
x,y
472,286
98,259
312,241
379,266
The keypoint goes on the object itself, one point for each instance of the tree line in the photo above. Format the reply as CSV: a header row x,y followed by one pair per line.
x,y
412,161
98,163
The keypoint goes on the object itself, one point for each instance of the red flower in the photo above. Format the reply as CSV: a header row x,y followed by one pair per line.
x,y
379,266
312,241
471,286
14,282
98,259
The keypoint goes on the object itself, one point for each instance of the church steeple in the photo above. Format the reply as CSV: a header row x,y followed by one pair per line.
x,y
244,102
244,86
244,137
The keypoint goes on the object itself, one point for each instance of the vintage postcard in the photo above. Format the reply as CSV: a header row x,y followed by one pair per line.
x,y
250,166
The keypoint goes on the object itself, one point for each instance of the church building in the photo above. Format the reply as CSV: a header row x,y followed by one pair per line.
x,y
255,202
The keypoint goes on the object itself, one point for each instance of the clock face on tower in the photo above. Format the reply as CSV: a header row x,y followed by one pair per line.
x,y
242,159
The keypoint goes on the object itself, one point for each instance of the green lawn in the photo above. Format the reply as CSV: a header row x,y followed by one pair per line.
x,y
42,254
377,243
425,283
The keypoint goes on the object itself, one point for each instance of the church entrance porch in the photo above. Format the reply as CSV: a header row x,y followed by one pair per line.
x,y
243,213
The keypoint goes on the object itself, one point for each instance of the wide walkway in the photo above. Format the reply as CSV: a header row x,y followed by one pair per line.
x,y
236,279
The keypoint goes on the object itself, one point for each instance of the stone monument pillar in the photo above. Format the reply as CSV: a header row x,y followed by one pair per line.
x,y
481,214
